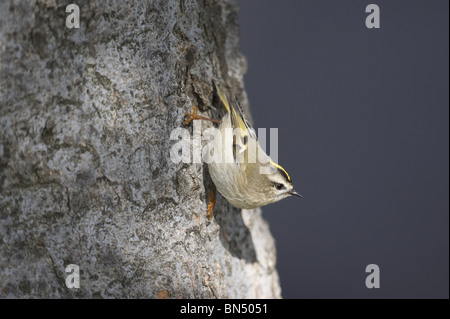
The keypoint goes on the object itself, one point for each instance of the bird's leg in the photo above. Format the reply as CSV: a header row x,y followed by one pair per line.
x,y
212,193
195,116
212,202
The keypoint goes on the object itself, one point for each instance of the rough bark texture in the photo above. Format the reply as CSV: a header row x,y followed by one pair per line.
x,y
85,172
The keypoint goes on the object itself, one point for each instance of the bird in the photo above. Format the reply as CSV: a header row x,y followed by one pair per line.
x,y
240,169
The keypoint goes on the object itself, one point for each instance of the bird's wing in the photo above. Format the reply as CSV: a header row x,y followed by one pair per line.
x,y
242,137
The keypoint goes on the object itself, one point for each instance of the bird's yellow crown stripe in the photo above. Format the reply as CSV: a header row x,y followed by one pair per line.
x,y
282,169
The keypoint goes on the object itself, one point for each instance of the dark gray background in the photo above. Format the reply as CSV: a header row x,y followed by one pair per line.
x,y
363,118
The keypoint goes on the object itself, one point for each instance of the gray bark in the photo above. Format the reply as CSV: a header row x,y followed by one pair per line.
x,y
85,172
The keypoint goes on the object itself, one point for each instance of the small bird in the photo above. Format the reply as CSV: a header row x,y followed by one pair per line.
x,y
245,175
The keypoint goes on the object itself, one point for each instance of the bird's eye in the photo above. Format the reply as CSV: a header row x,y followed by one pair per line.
x,y
279,186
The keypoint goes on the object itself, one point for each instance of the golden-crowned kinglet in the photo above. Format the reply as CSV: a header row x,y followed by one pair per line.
x,y
242,172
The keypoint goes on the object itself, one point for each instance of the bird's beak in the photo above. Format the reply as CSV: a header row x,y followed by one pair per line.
x,y
294,193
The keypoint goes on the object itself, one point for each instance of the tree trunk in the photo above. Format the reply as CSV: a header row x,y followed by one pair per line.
x,y
85,173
